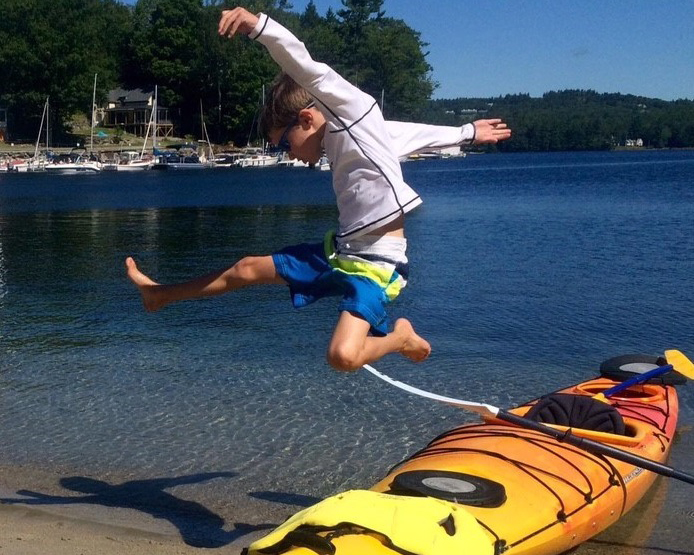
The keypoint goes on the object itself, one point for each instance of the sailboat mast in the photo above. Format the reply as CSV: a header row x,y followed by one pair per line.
x,y
149,126
91,133
38,138
205,135
156,120
262,103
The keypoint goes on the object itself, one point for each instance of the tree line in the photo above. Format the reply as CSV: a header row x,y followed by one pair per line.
x,y
53,49
578,120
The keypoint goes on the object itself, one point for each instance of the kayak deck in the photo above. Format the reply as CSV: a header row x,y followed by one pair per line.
x,y
557,495
523,492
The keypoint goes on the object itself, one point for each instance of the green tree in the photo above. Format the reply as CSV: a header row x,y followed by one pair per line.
x,y
322,36
54,49
395,69
355,18
167,48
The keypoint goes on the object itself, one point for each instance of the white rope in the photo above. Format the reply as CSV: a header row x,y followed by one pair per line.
x,y
479,408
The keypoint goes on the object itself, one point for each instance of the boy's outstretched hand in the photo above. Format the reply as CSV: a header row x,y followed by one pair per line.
x,y
490,131
238,20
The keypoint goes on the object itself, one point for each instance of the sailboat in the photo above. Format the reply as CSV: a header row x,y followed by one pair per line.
x,y
38,161
78,161
185,156
130,160
257,157
35,163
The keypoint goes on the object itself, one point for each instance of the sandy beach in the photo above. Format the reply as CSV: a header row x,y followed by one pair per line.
x,y
46,517
26,531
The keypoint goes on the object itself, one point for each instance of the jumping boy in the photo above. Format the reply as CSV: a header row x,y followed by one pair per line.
x,y
311,109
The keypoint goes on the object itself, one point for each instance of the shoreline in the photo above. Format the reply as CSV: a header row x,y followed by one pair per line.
x,y
28,148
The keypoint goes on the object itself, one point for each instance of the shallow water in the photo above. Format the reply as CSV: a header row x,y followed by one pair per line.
x,y
528,270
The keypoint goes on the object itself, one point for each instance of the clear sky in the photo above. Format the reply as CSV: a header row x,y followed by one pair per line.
x,y
487,48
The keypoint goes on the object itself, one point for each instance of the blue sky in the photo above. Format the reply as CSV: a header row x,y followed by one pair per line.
x,y
488,48
495,47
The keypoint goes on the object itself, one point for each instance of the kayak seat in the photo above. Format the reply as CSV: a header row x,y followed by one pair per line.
x,y
577,411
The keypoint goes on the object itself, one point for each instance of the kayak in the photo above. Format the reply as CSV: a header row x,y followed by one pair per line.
x,y
492,487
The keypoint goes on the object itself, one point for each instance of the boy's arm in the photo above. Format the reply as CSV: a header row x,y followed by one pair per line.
x,y
410,138
291,55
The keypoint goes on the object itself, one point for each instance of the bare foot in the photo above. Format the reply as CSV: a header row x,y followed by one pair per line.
x,y
415,347
148,288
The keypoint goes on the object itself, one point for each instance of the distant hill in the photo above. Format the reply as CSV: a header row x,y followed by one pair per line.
x,y
576,120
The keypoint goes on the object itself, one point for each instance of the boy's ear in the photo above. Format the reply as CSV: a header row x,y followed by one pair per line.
x,y
306,118
310,117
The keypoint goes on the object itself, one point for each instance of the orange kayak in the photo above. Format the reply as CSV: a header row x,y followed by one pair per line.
x,y
492,487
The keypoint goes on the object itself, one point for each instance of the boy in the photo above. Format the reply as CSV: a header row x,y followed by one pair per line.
x,y
312,109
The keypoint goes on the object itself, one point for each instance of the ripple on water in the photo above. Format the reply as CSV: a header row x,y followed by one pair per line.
x,y
523,278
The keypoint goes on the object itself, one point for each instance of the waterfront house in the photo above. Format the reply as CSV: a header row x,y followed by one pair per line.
x,y
131,111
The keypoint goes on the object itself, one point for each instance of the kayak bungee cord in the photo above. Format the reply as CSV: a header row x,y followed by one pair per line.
x,y
589,492
681,364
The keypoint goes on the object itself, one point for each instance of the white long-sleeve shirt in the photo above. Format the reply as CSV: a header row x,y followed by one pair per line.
x,y
363,149
409,138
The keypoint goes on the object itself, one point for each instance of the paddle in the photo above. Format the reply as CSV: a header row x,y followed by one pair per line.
x,y
589,445
603,395
680,362
677,361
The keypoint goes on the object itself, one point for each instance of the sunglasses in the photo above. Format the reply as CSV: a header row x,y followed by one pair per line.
x,y
283,143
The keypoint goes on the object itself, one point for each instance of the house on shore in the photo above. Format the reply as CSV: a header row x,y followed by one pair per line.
x,y
634,143
131,111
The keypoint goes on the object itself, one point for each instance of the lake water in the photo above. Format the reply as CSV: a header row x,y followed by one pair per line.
x,y
528,270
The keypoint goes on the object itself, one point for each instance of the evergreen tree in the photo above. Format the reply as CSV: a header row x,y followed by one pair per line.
x,y
53,49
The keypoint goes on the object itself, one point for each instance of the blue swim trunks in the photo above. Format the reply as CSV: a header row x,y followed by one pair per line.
x,y
315,270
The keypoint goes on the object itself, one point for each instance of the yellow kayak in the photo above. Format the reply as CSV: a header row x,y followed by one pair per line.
x,y
493,487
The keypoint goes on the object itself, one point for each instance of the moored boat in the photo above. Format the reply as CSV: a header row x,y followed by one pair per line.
x,y
286,161
257,159
73,163
227,159
493,487
184,156
129,160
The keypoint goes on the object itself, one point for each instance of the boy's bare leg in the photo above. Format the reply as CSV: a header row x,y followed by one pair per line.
x,y
252,270
351,346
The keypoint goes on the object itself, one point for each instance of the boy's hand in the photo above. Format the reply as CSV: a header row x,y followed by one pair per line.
x,y
237,20
490,131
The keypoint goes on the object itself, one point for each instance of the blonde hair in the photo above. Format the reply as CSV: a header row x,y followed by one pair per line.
x,y
286,99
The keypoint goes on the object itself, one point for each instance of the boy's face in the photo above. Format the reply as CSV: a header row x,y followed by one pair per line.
x,y
302,139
